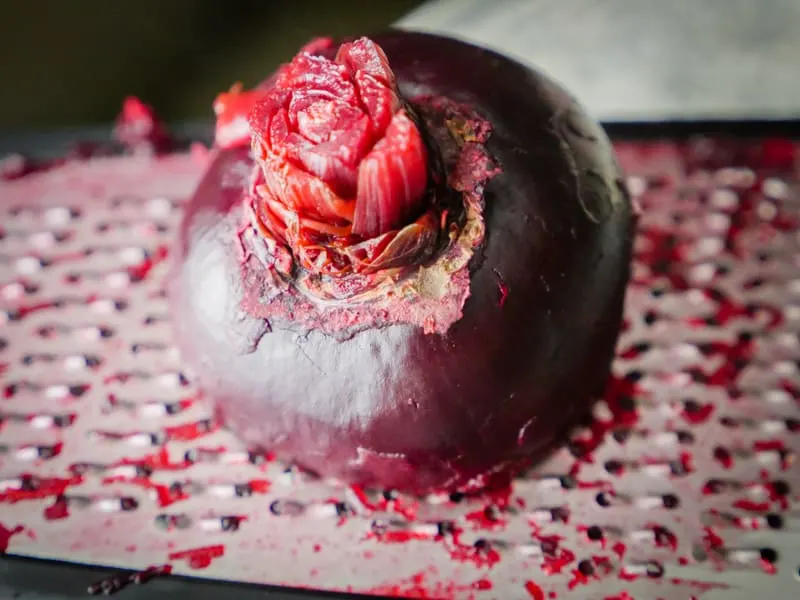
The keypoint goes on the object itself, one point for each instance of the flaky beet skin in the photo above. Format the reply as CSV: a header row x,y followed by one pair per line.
x,y
399,408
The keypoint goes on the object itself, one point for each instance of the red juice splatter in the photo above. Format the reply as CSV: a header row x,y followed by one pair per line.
x,y
58,510
699,415
724,457
142,270
578,578
165,494
619,549
751,505
6,534
598,484
318,548
777,493
769,445
485,518
482,585
38,488
189,431
768,567
362,497
480,556
260,486
416,587
158,461
199,558
556,564
534,590
711,540
664,538
401,537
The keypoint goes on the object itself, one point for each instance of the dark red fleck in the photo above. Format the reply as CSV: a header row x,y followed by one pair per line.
x,y
199,558
556,564
724,457
483,555
482,584
697,414
619,549
486,518
711,540
534,590
189,431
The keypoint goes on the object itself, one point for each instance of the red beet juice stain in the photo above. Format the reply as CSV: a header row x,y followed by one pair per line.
x,y
199,558
142,270
482,585
534,591
556,564
38,488
5,536
58,510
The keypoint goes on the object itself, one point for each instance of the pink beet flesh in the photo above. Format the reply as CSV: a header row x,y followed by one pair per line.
x,y
386,398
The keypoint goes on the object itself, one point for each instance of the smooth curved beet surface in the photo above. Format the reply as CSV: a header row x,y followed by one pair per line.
x,y
396,407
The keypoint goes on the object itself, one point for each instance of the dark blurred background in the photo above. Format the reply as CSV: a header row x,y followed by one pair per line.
x,y
71,62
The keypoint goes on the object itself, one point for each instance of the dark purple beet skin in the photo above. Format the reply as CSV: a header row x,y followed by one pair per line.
x,y
394,406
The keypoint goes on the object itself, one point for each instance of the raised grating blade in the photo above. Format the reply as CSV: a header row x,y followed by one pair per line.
x,y
682,484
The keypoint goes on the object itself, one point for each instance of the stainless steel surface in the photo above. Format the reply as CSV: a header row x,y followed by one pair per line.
x,y
645,59
135,473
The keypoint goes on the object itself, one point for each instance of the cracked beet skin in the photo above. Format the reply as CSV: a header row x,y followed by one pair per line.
x,y
405,266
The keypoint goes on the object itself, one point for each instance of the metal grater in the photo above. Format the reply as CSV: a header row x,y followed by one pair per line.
x,y
681,485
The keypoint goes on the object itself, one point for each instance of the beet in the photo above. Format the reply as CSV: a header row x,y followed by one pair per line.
x,y
415,396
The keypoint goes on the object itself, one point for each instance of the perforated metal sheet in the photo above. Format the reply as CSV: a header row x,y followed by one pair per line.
x,y
683,484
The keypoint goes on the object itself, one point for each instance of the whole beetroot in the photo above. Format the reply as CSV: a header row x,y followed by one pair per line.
x,y
406,265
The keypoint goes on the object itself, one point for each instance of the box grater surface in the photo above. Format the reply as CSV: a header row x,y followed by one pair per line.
x,y
682,484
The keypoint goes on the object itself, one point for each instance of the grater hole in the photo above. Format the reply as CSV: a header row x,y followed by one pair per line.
x,y
769,555
586,568
604,499
774,521
671,501
634,376
781,487
594,533
650,317
568,482
655,569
